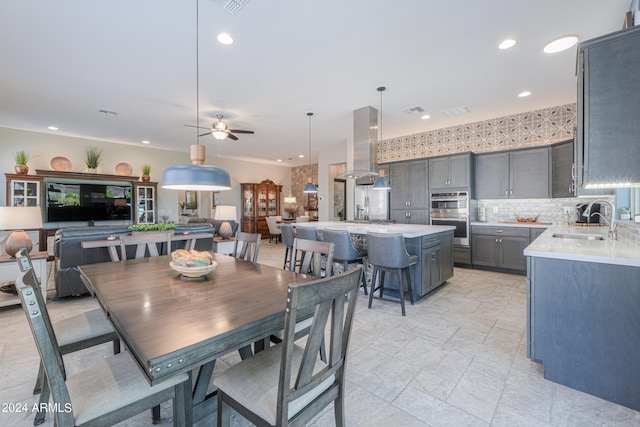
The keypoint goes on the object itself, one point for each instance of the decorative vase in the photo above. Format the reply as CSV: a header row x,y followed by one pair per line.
x,y
145,178
625,216
21,169
92,170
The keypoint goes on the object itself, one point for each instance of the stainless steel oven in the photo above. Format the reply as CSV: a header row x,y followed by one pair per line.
x,y
452,209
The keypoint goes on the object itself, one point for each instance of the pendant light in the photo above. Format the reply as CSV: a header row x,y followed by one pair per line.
x,y
310,187
196,176
381,183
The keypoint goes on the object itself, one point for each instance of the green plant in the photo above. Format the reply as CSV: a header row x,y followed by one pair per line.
x,y
624,210
146,169
152,227
21,157
92,157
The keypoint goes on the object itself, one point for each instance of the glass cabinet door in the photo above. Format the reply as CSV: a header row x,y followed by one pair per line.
x,y
145,205
273,211
25,193
262,201
247,202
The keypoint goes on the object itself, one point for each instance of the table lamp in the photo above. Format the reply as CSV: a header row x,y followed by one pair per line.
x,y
225,213
19,219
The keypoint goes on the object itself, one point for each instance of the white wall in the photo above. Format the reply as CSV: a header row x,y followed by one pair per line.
x,y
332,155
42,147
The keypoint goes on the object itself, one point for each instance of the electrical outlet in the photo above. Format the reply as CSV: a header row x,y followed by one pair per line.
x,y
495,209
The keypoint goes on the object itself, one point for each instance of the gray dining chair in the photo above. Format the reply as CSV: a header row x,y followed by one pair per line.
x,y
247,246
73,333
288,237
146,243
106,393
286,384
307,233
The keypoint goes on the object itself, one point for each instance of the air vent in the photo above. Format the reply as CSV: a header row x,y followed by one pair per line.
x,y
456,111
414,110
231,6
108,113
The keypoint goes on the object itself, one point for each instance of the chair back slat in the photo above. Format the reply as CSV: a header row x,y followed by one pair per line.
x,y
42,330
247,246
326,298
145,242
315,255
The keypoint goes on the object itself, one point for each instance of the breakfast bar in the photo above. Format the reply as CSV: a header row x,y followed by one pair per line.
x,y
433,244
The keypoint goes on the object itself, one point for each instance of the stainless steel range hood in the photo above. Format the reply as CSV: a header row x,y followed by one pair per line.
x,y
365,146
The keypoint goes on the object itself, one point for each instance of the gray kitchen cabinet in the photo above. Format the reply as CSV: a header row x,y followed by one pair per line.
x,y
409,192
562,174
520,174
607,149
450,172
499,247
534,233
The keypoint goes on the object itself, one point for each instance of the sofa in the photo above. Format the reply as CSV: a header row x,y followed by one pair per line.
x,y
69,253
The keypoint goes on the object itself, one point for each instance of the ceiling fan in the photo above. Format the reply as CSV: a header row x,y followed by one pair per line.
x,y
220,130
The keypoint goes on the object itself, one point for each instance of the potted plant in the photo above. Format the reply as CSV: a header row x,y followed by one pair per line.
x,y
21,158
92,158
146,170
625,213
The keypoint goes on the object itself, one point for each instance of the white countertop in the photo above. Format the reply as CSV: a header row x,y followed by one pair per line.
x,y
618,252
408,230
515,224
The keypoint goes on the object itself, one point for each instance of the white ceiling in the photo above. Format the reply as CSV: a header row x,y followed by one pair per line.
x,y
62,61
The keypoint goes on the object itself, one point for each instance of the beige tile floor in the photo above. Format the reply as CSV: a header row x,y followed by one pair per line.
x,y
457,359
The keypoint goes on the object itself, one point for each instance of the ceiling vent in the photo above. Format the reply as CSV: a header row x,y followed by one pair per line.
x,y
108,113
414,110
456,111
231,6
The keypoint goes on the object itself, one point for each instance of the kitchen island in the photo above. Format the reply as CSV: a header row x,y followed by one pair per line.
x,y
583,311
433,244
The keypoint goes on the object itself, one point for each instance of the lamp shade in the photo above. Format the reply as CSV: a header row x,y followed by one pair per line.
x,y
381,182
196,178
310,187
226,213
20,219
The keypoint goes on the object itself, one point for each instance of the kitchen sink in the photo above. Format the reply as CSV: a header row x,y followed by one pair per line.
x,y
578,236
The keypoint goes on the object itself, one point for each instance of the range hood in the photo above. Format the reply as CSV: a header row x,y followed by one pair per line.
x,y
365,146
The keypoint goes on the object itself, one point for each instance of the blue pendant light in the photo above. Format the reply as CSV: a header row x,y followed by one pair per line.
x,y
310,187
381,183
196,176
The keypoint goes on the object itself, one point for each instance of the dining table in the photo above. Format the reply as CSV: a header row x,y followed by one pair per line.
x,y
172,324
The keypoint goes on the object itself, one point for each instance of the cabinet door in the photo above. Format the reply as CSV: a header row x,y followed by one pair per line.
x,y
492,176
459,171
146,201
430,268
561,165
438,173
484,250
415,216
399,180
511,252
418,185
446,257
529,173
534,233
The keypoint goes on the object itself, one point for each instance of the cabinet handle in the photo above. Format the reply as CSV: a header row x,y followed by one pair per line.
x,y
409,203
496,240
409,213
506,192
498,231
510,192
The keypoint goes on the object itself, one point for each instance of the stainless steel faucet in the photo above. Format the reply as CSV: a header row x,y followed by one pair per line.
x,y
613,225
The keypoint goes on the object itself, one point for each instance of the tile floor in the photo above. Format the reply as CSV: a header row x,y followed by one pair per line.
x,y
457,359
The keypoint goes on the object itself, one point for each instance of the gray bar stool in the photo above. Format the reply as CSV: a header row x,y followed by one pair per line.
x,y
286,231
345,252
306,233
388,253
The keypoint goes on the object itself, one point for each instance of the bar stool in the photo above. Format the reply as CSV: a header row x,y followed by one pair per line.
x,y
286,231
388,253
306,233
345,252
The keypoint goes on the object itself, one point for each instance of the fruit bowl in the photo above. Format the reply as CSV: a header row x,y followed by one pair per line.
x,y
194,272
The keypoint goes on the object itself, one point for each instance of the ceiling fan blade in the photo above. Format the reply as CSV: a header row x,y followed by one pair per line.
x,y
199,127
240,131
203,134
232,136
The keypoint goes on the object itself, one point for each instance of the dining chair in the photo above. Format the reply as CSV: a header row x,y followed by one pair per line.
x,y
246,246
274,229
145,242
106,393
286,384
73,333
287,238
307,233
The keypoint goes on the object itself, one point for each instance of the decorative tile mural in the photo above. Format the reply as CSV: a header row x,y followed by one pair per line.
x,y
533,128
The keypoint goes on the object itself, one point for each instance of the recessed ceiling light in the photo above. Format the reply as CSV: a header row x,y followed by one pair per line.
x,y
225,38
52,128
524,94
146,142
279,160
425,117
301,156
506,44
560,44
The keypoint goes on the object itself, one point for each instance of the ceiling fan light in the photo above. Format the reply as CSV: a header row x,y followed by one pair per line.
x,y
217,134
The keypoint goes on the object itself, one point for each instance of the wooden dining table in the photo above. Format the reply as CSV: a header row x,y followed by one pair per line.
x,y
171,324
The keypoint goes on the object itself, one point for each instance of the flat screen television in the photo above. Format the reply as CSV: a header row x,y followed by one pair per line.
x,y
88,201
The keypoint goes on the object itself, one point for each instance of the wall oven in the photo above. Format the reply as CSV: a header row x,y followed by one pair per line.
x,y
453,209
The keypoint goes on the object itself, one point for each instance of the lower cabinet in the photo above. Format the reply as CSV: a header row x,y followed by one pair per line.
x,y
499,247
410,216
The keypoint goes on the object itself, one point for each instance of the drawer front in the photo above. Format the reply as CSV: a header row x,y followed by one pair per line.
x,y
500,231
430,241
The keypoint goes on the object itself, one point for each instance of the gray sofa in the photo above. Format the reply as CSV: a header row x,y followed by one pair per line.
x,y
69,253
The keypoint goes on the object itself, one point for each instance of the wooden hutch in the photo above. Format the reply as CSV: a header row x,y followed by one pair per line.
x,y
258,202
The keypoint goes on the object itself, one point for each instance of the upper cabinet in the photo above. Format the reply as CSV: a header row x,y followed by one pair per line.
x,y
562,174
450,172
607,148
145,210
521,174
23,190
409,192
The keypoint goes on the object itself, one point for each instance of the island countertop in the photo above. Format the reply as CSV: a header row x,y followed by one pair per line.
x,y
607,251
408,230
